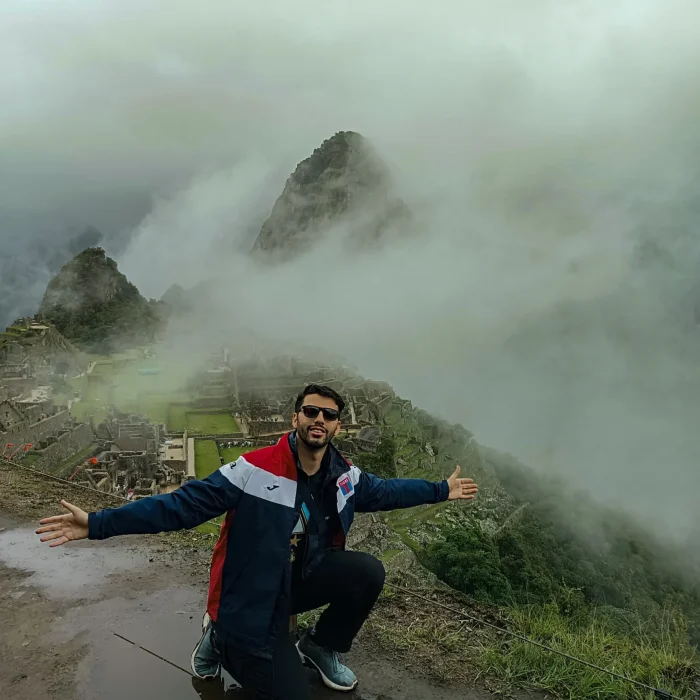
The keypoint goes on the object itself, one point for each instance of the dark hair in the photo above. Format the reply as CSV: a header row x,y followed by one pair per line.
x,y
319,390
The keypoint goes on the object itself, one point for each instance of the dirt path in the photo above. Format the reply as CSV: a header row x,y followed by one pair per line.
x,y
62,608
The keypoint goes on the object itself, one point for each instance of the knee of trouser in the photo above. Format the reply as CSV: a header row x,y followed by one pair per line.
x,y
374,574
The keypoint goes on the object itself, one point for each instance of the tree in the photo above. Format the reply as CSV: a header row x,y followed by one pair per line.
x,y
381,463
468,560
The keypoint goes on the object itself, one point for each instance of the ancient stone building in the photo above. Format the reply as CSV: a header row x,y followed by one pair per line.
x,y
131,433
49,433
367,440
30,422
137,459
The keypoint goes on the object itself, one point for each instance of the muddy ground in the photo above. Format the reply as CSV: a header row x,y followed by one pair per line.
x,y
117,620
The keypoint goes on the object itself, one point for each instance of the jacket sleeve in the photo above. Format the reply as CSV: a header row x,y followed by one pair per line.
x,y
373,494
192,504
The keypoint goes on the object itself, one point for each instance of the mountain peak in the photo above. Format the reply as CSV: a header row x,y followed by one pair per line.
x,y
93,304
342,181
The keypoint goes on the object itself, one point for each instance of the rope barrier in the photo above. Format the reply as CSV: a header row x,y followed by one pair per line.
x,y
152,653
658,692
45,475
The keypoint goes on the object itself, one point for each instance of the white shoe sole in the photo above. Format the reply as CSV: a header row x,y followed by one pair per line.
x,y
329,683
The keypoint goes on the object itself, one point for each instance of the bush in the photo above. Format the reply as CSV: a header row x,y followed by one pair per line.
x,y
381,463
469,561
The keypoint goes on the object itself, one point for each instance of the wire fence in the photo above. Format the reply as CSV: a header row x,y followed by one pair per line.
x,y
10,476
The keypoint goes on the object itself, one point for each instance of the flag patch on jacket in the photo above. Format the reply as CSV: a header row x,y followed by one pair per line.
x,y
345,486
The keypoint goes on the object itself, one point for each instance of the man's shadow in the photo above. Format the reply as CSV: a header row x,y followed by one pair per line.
x,y
219,688
224,688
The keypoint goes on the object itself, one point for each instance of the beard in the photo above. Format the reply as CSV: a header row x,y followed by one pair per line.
x,y
311,441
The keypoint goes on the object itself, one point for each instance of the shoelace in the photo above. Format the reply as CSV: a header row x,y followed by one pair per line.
x,y
335,657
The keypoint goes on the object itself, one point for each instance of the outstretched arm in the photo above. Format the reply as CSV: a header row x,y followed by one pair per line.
x,y
373,494
192,504
60,529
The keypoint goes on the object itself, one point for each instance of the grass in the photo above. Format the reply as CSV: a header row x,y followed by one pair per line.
x,y
67,466
173,408
120,382
211,422
82,410
403,520
206,458
210,528
176,418
411,516
660,658
441,645
153,407
206,461
452,649
160,397
388,554
231,454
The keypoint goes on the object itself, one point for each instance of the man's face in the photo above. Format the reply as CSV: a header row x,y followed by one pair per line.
x,y
316,430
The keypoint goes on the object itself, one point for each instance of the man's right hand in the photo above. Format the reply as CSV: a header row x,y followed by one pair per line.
x,y
64,528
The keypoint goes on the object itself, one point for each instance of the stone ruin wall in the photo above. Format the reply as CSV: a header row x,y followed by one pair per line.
x,y
65,446
15,387
35,432
270,426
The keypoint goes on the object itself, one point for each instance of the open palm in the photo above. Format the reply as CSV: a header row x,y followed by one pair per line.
x,y
64,528
461,489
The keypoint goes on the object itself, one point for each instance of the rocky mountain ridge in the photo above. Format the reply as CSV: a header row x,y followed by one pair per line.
x,y
342,184
95,306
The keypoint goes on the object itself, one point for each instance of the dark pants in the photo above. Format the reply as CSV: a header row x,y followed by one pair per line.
x,y
350,583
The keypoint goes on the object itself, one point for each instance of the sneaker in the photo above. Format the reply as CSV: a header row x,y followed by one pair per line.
x,y
327,662
206,659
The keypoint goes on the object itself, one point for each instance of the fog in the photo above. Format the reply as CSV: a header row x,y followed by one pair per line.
x,y
548,151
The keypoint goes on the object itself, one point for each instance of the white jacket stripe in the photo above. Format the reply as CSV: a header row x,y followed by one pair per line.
x,y
260,483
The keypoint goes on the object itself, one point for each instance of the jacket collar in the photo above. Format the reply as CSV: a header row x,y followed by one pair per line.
x,y
338,464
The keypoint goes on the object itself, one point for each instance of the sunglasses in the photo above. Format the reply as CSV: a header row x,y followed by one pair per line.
x,y
329,414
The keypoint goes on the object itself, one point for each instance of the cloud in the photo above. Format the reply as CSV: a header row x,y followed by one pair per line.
x,y
538,144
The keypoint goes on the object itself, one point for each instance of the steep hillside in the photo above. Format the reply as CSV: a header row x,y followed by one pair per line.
x,y
343,183
94,305
42,346
564,539
564,569
27,265
177,299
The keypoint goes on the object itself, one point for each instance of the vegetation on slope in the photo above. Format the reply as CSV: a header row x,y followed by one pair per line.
x,y
382,463
342,181
561,569
588,582
94,305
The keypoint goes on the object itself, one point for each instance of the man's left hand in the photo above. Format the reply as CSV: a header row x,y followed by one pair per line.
x,y
461,489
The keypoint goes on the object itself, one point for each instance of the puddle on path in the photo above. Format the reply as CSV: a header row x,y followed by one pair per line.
x,y
69,572
166,622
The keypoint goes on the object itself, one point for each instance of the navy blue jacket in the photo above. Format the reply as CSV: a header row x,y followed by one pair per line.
x,y
250,575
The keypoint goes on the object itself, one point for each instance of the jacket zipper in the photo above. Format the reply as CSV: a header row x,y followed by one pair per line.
x,y
305,564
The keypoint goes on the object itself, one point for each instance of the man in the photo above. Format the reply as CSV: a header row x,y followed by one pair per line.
x,y
281,550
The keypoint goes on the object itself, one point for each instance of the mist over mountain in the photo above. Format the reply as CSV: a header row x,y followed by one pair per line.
x,y
547,154
342,181
27,264
94,305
